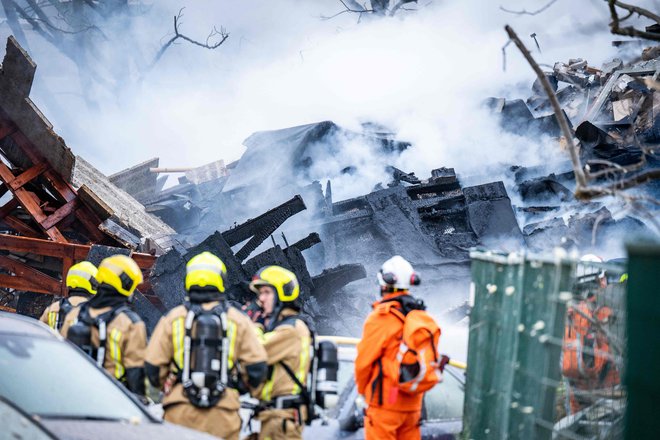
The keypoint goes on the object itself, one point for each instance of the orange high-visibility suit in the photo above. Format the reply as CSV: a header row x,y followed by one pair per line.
x,y
391,414
586,361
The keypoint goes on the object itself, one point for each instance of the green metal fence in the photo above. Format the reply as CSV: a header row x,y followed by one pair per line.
x,y
518,386
642,374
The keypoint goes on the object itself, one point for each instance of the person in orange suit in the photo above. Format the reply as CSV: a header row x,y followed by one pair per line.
x,y
391,414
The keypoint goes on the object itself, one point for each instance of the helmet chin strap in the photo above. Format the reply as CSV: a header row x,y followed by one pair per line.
x,y
387,289
275,316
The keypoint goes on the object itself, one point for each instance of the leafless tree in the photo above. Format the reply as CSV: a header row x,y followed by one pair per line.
x,y
82,30
373,7
218,35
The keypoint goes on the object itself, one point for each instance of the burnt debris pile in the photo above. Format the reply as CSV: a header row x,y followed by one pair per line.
x,y
275,205
614,112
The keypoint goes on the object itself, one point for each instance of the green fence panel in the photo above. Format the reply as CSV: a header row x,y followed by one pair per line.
x,y
514,383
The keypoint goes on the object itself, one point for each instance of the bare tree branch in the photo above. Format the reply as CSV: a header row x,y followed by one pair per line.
x,y
177,35
612,168
582,190
637,10
400,4
351,8
378,7
559,114
590,192
631,31
525,12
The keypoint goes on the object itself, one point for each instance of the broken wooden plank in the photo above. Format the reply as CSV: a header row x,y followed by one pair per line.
x,y
33,277
604,94
60,214
20,226
95,203
27,175
621,109
60,250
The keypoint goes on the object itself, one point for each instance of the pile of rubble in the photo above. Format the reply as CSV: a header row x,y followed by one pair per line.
x,y
328,244
615,113
57,208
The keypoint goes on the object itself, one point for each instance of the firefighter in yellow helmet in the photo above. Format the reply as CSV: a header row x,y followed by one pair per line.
x,y
107,329
287,340
81,285
203,351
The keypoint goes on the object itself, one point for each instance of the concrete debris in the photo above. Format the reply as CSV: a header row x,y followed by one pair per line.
x,y
128,211
139,181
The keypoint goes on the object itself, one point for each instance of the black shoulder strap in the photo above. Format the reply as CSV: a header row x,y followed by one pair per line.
x,y
303,388
84,316
289,320
106,317
65,305
408,303
132,315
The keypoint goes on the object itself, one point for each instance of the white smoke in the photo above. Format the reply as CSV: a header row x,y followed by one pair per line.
x,y
424,74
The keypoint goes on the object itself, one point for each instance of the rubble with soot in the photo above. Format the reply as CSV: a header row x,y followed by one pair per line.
x,y
270,207
615,114
433,222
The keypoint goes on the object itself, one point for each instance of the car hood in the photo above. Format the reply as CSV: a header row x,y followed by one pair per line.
x,y
102,430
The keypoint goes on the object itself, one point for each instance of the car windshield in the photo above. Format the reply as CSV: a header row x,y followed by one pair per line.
x,y
51,379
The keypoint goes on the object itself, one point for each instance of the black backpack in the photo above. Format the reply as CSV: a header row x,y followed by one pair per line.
x,y
80,333
325,360
204,375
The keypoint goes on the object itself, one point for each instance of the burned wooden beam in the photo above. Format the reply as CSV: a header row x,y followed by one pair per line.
x,y
331,280
26,278
260,228
307,242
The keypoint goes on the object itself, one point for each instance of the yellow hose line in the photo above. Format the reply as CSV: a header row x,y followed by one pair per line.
x,y
458,364
347,340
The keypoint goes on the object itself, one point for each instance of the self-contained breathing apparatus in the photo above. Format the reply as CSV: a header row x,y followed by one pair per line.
x,y
80,333
206,355
65,308
321,391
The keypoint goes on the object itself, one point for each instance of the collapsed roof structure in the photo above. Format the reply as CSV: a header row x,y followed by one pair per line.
x,y
259,211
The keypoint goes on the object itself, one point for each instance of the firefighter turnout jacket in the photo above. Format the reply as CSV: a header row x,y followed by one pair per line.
x,y
52,317
125,345
288,346
165,361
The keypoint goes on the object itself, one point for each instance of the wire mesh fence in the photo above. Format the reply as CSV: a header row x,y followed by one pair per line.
x,y
546,349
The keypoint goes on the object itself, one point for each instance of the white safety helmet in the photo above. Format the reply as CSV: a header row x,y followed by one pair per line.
x,y
590,266
397,274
